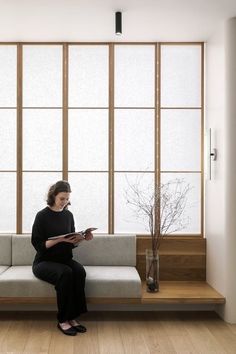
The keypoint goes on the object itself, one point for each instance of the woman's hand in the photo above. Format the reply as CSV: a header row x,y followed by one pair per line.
x,y
73,239
88,236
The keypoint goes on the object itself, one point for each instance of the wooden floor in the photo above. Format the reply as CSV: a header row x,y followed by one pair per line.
x,y
118,333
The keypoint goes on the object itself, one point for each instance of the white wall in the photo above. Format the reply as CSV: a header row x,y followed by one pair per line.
x,y
93,20
230,169
221,190
215,189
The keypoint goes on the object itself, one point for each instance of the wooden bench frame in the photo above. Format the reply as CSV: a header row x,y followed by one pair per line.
x,y
171,292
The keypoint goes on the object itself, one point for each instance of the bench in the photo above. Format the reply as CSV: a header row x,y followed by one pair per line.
x,y
109,261
112,278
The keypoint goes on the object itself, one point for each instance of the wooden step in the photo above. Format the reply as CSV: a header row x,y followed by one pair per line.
x,y
181,258
182,292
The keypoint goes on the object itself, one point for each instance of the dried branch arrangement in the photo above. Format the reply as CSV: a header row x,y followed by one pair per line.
x,y
162,207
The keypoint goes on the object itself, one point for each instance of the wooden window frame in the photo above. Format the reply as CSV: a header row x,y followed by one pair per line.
x,y
111,109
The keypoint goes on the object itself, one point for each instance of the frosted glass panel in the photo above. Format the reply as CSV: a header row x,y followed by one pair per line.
x,y
126,219
42,73
88,139
88,76
89,200
8,202
180,76
8,139
134,75
181,140
35,189
134,140
42,139
192,214
8,78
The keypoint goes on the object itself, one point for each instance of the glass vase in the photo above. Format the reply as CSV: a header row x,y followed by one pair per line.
x,y
152,271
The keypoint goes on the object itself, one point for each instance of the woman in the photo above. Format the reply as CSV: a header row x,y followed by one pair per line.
x,y
53,262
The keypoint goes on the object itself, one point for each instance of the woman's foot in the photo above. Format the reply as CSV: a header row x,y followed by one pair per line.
x,y
79,327
67,328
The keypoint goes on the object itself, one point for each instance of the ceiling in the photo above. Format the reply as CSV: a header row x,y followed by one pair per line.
x,y
93,20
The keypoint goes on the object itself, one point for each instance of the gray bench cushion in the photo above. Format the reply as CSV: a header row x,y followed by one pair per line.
x,y
112,281
19,281
101,281
105,250
3,268
23,252
5,250
102,250
109,261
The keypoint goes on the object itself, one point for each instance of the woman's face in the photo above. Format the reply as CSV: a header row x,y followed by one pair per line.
x,y
61,200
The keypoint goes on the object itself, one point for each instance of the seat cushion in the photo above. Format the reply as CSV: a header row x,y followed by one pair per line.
x,y
19,281
3,268
102,281
112,281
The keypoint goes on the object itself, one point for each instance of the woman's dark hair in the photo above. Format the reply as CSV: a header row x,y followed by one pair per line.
x,y
60,186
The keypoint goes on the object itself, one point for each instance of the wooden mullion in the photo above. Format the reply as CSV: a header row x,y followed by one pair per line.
x,y
157,175
65,114
202,139
111,141
157,114
19,182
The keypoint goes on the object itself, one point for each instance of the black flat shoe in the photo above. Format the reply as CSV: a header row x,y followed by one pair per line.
x,y
69,332
79,328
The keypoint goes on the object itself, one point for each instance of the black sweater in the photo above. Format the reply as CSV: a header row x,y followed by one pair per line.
x,y
50,223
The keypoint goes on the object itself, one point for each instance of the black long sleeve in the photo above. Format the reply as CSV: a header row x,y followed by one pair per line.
x,y
49,223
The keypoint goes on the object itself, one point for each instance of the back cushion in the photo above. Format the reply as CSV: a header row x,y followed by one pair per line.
x,y
102,250
5,250
107,250
22,250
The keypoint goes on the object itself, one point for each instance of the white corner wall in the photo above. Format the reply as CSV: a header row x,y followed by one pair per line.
x,y
214,189
230,169
220,192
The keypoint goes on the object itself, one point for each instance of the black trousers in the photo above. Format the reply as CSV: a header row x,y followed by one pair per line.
x,y
69,281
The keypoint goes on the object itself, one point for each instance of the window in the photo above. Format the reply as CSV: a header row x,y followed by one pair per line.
x,y
8,144
98,115
181,123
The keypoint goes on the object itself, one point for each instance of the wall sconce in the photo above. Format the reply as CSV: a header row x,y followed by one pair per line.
x,y
211,154
118,23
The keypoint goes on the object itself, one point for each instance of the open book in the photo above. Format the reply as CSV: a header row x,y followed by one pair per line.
x,y
71,234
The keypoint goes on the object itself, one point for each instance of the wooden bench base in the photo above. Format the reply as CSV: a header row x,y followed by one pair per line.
x,y
182,292
171,292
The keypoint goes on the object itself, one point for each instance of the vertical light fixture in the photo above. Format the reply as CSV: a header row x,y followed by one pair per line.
x,y
211,154
118,23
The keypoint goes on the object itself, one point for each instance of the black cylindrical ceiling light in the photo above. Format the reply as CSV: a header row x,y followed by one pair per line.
x,y
118,23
